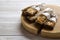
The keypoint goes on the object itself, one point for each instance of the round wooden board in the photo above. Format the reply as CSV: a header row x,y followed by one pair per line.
x,y
55,33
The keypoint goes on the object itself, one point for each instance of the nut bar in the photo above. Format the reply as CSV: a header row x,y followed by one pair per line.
x,y
29,11
41,19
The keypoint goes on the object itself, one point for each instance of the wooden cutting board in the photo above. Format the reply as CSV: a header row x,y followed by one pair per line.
x,y
55,33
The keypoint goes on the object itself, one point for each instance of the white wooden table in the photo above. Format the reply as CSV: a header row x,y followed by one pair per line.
x,y
10,21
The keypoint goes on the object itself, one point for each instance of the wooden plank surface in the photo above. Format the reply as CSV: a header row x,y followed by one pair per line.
x,y
10,23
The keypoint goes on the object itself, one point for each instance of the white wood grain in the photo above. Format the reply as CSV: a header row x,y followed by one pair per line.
x,y
22,38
